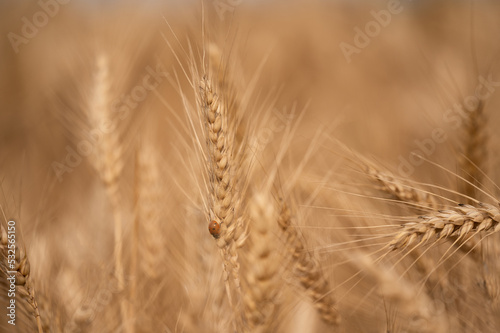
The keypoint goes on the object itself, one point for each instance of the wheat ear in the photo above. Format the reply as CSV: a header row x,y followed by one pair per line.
x,y
308,270
221,70
417,199
263,265
401,191
148,194
220,163
445,223
109,163
21,270
221,197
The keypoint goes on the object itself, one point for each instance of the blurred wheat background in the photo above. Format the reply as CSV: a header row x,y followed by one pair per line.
x,y
345,192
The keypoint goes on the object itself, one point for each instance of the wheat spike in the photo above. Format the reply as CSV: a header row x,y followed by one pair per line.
x,y
108,162
401,191
222,196
148,200
220,163
445,223
308,270
261,277
21,271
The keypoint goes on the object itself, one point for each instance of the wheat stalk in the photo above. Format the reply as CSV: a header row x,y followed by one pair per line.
x,y
474,156
52,313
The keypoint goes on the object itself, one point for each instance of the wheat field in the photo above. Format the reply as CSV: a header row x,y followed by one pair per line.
x,y
249,166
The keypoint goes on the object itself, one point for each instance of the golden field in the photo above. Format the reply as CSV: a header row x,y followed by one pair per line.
x,y
249,166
